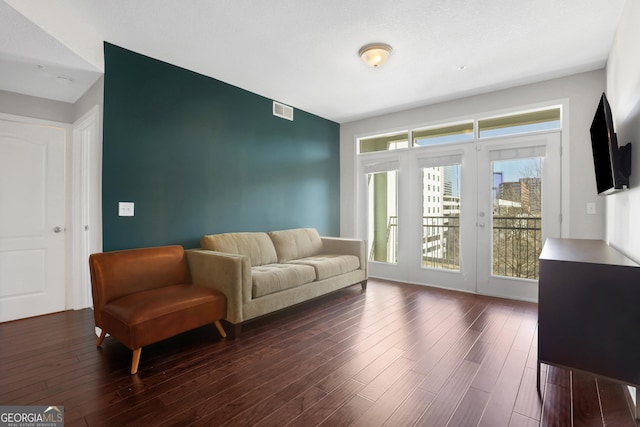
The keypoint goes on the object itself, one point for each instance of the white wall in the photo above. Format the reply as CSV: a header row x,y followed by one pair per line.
x,y
93,96
55,111
623,92
37,108
583,92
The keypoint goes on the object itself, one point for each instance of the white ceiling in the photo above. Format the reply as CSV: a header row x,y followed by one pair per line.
x,y
304,52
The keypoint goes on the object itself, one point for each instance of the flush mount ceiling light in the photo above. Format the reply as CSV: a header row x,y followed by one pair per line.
x,y
375,54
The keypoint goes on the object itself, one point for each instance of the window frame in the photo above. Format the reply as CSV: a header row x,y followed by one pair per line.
x,y
475,120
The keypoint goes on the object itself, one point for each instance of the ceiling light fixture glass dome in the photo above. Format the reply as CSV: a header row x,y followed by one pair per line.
x,y
375,54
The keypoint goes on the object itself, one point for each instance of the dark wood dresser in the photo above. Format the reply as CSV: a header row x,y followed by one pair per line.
x,y
589,309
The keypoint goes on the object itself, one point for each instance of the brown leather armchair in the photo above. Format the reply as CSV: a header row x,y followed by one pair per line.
x,y
142,296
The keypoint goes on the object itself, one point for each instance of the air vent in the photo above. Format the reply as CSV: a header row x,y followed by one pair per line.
x,y
282,111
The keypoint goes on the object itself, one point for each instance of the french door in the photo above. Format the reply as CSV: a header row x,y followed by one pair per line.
x,y
518,208
470,216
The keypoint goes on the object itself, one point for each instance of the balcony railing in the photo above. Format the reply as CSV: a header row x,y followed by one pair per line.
x,y
517,243
441,242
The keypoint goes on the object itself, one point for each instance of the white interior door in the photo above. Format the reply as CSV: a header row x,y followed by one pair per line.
x,y
86,224
32,242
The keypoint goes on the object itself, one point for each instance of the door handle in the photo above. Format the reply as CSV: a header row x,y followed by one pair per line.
x,y
57,229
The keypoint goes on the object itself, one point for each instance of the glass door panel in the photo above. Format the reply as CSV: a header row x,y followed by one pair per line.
x,y
517,217
441,217
382,212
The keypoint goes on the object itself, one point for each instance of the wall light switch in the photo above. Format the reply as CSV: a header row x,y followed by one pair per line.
x,y
125,208
591,208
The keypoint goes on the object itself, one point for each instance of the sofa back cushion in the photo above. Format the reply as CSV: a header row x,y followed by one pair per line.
x,y
256,246
296,243
120,273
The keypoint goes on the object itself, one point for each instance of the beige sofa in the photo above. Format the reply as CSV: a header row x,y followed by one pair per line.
x,y
264,272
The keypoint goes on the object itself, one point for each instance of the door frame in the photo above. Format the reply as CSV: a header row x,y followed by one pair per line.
x,y
86,224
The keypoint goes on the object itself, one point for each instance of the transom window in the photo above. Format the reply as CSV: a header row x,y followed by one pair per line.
x,y
510,124
520,123
443,134
384,142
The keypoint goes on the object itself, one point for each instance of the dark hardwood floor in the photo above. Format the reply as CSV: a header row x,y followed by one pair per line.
x,y
393,355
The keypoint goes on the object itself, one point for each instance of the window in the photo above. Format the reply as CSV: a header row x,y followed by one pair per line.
x,y
512,124
384,143
383,216
443,134
441,224
520,123
517,217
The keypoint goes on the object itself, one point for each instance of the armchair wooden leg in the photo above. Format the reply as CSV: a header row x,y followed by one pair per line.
x,y
220,328
101,338
364,285
136,360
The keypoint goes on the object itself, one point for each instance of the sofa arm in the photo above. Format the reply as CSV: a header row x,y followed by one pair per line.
x,y
344,246
227,273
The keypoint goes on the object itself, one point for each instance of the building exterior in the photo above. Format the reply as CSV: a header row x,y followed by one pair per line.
x,y
440,217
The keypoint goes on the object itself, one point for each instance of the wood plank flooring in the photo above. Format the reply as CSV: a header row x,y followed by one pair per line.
x,y
393,355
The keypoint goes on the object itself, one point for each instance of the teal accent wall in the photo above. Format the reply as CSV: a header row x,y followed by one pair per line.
x,y
198,156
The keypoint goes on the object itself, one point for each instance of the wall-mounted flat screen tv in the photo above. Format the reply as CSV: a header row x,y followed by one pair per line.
x,y
612,164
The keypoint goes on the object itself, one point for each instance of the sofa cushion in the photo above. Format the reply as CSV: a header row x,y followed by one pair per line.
x,y
271,278
296,243
327,266
257,246
142,318
121,273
